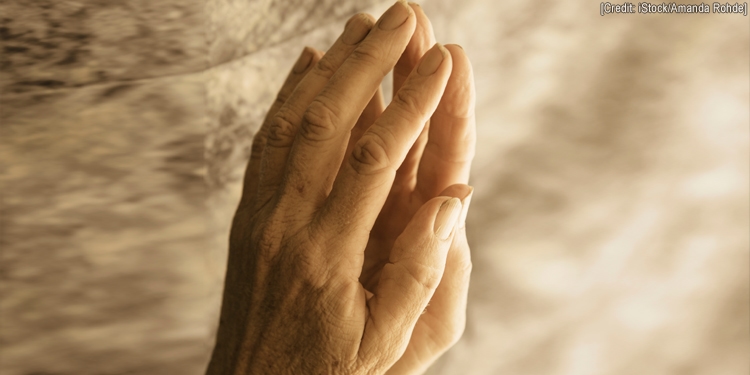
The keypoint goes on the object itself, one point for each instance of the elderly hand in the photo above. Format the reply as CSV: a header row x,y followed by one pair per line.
x,y
351,219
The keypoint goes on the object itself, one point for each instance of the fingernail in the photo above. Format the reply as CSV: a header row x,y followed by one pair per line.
x,y
432,60
303,61
395,16
355,30
447,217
415,4
465,208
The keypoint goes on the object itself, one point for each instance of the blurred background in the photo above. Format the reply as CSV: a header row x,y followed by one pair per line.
x,y
609,227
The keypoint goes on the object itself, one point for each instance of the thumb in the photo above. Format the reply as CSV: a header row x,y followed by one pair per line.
x,y
409,279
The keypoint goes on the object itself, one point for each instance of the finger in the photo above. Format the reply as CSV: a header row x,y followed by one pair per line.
x,y
444,319
409,280
284,125
321,142
450,147
363,184
421,41
371,113
406,175
307,59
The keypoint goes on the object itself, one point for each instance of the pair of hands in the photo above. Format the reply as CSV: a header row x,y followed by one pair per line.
x,y
352,215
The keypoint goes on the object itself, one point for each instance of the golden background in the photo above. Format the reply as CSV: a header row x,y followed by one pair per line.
x,y
609,226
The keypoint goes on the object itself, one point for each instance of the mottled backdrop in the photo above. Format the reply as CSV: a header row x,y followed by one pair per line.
x,y
609,229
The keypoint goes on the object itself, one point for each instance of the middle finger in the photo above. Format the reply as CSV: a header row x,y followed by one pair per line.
x,y
321,142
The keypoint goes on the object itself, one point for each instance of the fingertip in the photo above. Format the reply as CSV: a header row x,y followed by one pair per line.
x,y
464,193
465,203
365,18
369,18
455,48
314,51
424,218
304,61
424,26
438,216
396,16
421,41
432,60
447,217
357,28
460,191
316,56
459,99
419,13
460,59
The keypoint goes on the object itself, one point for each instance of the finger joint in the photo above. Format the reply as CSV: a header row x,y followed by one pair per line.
x,y
370,155
326,67
424,275
369,56
282,130
319,121
408,101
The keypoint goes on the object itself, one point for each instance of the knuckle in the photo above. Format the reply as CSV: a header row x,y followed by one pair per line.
x,y
282,129
281,98
409,101
426,276
325,67
257,147
319,121
369,155
303,260
369,55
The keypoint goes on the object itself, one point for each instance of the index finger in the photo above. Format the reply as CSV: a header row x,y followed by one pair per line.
x,y
421,41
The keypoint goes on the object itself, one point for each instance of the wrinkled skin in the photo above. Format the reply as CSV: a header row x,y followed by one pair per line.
x,y
352,215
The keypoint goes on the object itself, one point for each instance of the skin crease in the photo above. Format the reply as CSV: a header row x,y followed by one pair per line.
x,y
352,216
